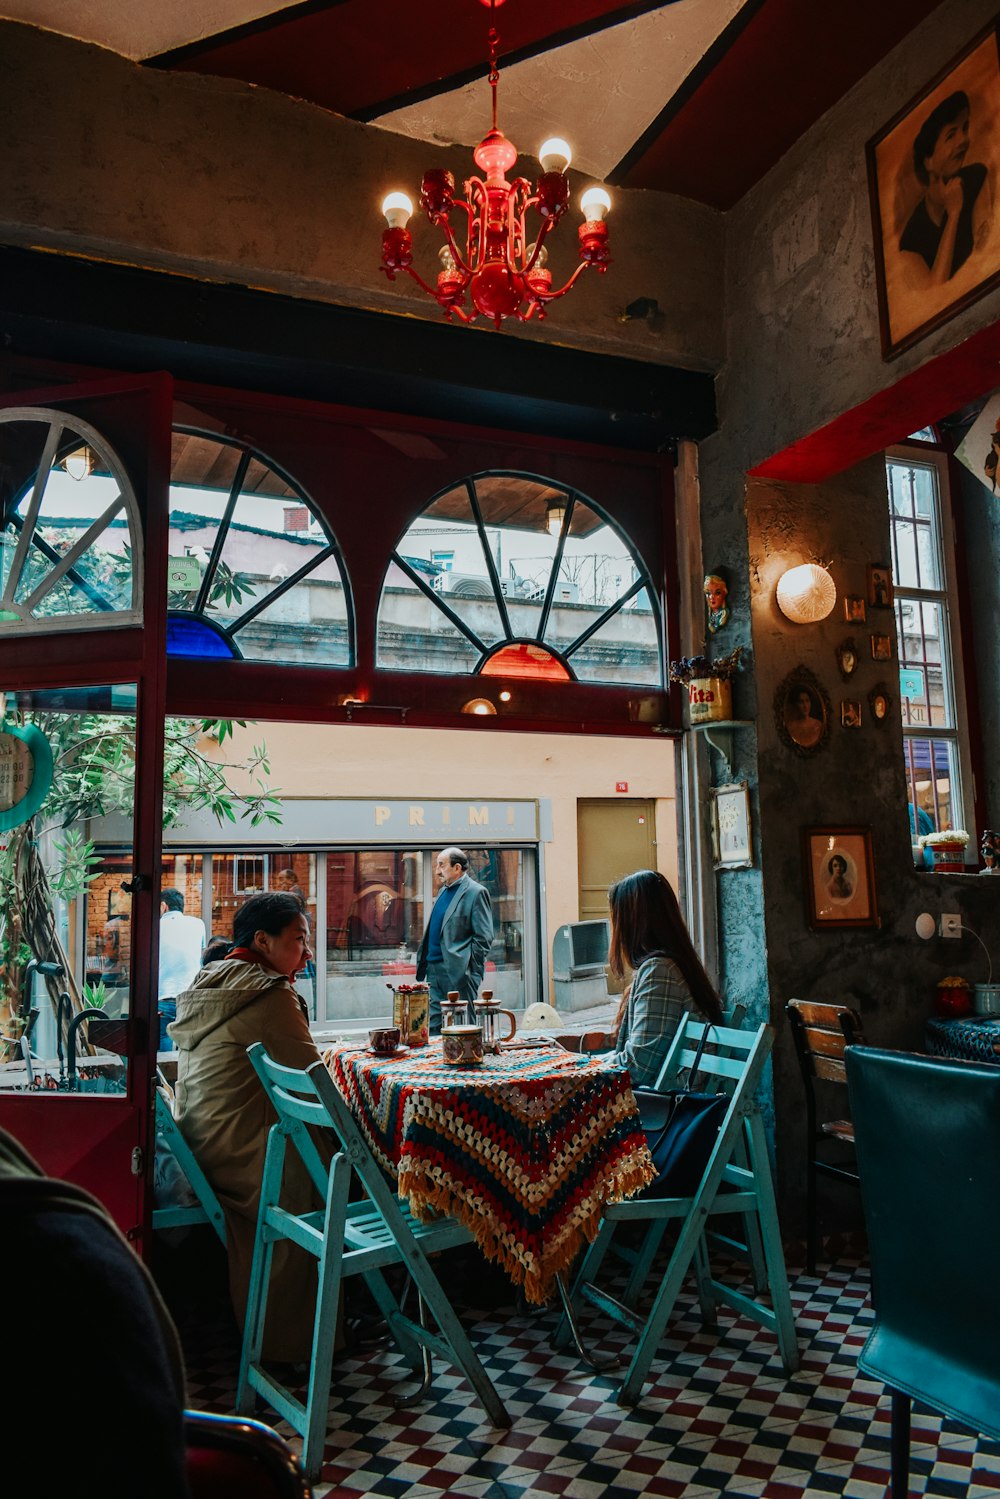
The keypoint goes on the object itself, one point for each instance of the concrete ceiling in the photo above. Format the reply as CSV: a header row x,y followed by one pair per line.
x,y
696,97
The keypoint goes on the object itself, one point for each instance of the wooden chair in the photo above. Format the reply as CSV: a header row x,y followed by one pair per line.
x,y
737,1181
170,1140
928,1140
821,1033
347,1238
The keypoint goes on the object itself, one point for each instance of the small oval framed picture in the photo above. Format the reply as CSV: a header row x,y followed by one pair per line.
x,y
878,703
802,711
847,658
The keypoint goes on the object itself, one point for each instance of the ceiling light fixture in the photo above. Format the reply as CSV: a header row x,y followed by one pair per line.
x,y
555,514
503,270
79,464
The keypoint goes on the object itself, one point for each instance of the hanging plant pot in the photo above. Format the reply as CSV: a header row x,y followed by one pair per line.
x,y
710,699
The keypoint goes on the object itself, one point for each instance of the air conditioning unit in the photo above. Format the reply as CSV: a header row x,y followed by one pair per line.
x,y
567,593
467,586
522,590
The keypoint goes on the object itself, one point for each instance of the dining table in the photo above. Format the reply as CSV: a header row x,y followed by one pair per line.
x,y
524,1149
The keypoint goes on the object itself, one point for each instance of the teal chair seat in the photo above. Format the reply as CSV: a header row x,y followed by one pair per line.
x,y
347,1238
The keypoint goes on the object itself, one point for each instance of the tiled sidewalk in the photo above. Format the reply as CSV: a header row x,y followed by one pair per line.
x,y
719,1416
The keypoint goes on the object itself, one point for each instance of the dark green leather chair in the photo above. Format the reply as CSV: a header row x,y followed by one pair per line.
x,y
927,1134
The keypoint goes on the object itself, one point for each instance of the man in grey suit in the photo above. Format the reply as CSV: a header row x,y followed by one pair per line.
x,y
458,936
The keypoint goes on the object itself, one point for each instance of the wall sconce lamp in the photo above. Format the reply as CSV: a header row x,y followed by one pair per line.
x,y
555,514
478,705
806,594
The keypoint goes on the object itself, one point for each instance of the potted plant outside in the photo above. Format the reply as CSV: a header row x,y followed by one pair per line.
x,y
947,849
709,685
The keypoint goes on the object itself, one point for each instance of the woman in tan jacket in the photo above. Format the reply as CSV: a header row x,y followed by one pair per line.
x,y
223,1111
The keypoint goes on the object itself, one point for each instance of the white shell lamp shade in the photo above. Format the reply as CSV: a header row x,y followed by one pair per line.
x,y
806,594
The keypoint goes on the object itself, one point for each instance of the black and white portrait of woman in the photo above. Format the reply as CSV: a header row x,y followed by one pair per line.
x,y
934,171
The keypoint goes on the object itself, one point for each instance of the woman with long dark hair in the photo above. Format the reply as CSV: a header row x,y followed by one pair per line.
x,y
648,936
223,1112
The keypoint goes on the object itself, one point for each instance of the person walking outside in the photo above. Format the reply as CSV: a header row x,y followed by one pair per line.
x,y
181,941
458,936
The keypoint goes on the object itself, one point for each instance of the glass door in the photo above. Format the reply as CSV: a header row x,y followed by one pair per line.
x,y
83,491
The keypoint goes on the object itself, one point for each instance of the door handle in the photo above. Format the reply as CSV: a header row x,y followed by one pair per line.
x,y
135,884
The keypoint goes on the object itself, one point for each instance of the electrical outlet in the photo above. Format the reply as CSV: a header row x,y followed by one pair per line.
x,y
951,924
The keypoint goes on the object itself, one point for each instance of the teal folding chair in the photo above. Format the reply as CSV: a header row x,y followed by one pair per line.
x,y
736,1182
347,1238
170,1141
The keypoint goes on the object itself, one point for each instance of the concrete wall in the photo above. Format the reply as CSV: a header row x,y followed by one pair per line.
x,y
802,347
223,180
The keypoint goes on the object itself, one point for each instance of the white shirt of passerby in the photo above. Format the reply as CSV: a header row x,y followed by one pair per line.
x,y
181,941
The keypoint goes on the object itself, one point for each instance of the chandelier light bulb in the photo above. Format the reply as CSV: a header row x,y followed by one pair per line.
x,y
447,259
595,203
555,155
806,594
397,208
543,256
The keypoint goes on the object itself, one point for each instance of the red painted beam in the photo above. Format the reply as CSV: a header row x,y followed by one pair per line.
x,y
924,396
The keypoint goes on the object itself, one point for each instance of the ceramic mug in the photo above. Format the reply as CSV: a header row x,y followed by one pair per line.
x,y
385,1041
462,1045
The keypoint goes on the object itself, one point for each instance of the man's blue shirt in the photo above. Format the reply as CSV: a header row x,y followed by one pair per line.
x,y
438,912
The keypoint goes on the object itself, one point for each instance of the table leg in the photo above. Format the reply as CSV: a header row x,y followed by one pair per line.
x,y
613,1361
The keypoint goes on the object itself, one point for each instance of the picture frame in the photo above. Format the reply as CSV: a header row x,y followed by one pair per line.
x,y
879,586
732,846
854,609
850,713
802,712
954,122
881,647
847,658
879,703
839,878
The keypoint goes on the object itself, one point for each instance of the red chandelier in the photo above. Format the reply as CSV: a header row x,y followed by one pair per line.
x,y
505,275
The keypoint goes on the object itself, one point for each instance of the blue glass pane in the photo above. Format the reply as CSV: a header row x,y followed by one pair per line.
x,y
196,637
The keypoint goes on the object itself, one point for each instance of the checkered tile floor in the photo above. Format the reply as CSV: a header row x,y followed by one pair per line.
x,y
719,1416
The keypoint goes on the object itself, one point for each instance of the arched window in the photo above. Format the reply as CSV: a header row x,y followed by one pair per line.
x,y
507,574
71,550
254,573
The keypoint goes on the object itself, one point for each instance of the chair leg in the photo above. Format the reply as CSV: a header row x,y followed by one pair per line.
x,y
659,1312
774,1255
591,1263
644,1257
900,1446
703,1278
811,1235
317,1406
260,1274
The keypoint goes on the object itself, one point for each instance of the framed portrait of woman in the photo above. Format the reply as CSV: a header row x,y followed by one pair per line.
x,y
802,712
839,877
933,179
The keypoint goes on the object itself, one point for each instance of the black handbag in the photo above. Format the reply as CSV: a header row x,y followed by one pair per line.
x,y
681,1129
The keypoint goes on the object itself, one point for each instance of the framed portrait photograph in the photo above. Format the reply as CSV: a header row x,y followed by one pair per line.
x,y
933,185
879,587
881,647
802,712
850,713
847,658
731,845
839,877
854,609
878,703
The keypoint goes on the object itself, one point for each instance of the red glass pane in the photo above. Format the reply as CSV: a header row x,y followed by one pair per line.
x,y
525,660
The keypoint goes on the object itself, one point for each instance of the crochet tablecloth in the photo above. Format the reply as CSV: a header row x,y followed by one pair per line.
x,y
972,1040
524,1151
